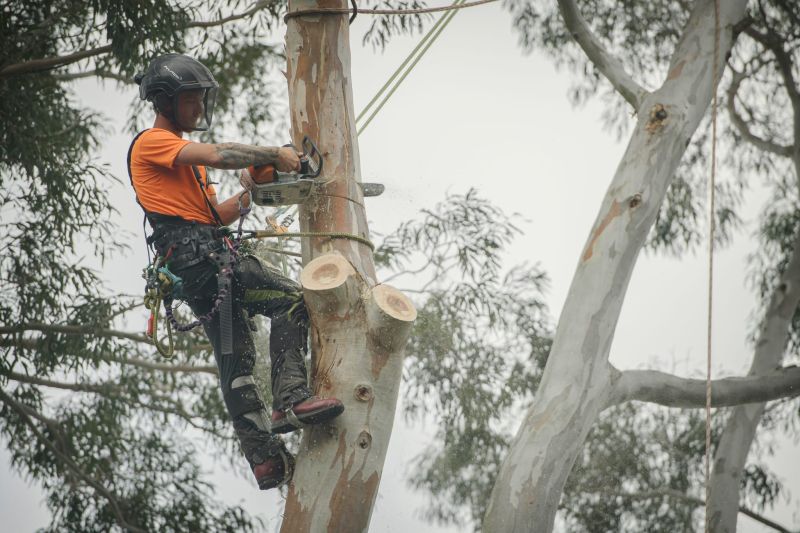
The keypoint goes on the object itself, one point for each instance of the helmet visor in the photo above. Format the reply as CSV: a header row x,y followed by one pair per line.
x,y
194,108
208,104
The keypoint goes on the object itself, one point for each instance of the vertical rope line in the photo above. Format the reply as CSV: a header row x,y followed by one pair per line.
x,y
711,232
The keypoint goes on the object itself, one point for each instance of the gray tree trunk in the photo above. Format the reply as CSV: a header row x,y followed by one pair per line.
x,y
577,379
740,428
359,329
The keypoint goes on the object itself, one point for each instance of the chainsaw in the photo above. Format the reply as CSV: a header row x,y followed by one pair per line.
x,y
270,187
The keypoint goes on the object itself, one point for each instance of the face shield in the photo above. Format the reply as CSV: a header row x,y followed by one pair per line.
x,y
194,108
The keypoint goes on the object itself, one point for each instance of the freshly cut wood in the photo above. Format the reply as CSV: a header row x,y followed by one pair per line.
x,y
330,284
390,315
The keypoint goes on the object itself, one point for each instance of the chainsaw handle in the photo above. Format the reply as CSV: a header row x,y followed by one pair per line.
x,y
309,150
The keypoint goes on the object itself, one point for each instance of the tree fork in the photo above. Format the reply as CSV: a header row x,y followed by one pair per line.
x,y
358,327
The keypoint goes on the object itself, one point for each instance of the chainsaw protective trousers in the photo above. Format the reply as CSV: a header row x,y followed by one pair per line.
x,y
256,290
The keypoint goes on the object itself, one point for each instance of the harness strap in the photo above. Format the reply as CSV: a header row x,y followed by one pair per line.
x,y
196,172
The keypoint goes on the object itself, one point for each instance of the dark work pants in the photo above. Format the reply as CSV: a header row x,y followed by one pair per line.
x,y
256,290
263,291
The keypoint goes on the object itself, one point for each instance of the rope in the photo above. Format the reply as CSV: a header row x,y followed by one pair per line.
x,y
435,31
264,234
711,231
347,11
402,65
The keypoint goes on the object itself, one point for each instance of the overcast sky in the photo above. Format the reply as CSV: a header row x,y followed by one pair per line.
x,y
478,113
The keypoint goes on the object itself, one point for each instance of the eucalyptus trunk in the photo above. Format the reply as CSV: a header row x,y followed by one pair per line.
x,y
740,428
578,379
358,327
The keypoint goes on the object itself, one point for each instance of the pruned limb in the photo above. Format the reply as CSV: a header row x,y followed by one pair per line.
x,y
609,65
673,391
744,128
390,315
330,285
678,495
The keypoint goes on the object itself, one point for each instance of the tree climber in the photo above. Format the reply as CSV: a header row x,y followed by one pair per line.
x,y
168,174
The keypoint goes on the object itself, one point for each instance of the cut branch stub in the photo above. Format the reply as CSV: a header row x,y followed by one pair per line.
x,y
330,285
390,315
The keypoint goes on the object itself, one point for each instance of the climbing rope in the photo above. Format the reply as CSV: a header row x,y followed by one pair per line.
x,y
711,232
424,43
266,234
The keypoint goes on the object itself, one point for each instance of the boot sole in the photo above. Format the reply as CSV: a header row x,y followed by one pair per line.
x,y
312,417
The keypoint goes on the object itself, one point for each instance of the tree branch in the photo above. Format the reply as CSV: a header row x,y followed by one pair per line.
x,y
610,66
37,65
676,494
673,391
87,329
78,387
111,389
772,42
741,124
33,344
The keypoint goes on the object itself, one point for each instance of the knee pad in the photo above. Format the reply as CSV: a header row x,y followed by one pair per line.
x,y
243,397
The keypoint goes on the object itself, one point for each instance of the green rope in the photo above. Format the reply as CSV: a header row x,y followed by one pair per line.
x,y
435,31
263,234
402,66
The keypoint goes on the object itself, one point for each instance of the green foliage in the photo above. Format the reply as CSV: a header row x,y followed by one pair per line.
x,y
87,412
477,350
637,472
385,27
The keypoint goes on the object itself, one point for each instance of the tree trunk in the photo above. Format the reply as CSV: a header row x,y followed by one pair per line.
x,y
576,381
358,328
740,428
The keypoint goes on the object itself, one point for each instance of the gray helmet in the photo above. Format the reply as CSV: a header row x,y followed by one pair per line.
x,y
169,75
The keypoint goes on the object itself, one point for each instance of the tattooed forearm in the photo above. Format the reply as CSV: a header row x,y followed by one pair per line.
x,y
235,155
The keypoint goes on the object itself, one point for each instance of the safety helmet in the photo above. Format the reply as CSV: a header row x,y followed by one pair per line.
x,y
171,74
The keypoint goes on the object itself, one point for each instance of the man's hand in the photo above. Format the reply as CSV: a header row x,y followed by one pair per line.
x,y
288,159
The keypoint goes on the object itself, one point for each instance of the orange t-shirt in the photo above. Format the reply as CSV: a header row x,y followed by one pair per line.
x,y
161,185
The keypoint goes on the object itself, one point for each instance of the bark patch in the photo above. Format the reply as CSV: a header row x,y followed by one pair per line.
x,y
613,213
347,512
300,518
658,116
676,70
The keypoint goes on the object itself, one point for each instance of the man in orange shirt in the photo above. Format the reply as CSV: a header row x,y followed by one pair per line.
x,y
168,174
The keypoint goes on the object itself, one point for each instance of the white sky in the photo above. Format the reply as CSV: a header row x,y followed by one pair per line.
x,y
478,113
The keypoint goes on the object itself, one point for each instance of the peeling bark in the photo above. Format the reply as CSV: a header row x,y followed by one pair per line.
x,y
358,328
577,379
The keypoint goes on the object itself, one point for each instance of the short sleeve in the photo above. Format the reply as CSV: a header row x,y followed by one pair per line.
x,y
160,147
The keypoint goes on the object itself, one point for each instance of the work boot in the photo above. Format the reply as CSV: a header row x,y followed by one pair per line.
x,y
275,471
310,411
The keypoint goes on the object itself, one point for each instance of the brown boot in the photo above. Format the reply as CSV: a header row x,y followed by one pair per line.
x,y
275,471
310,411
